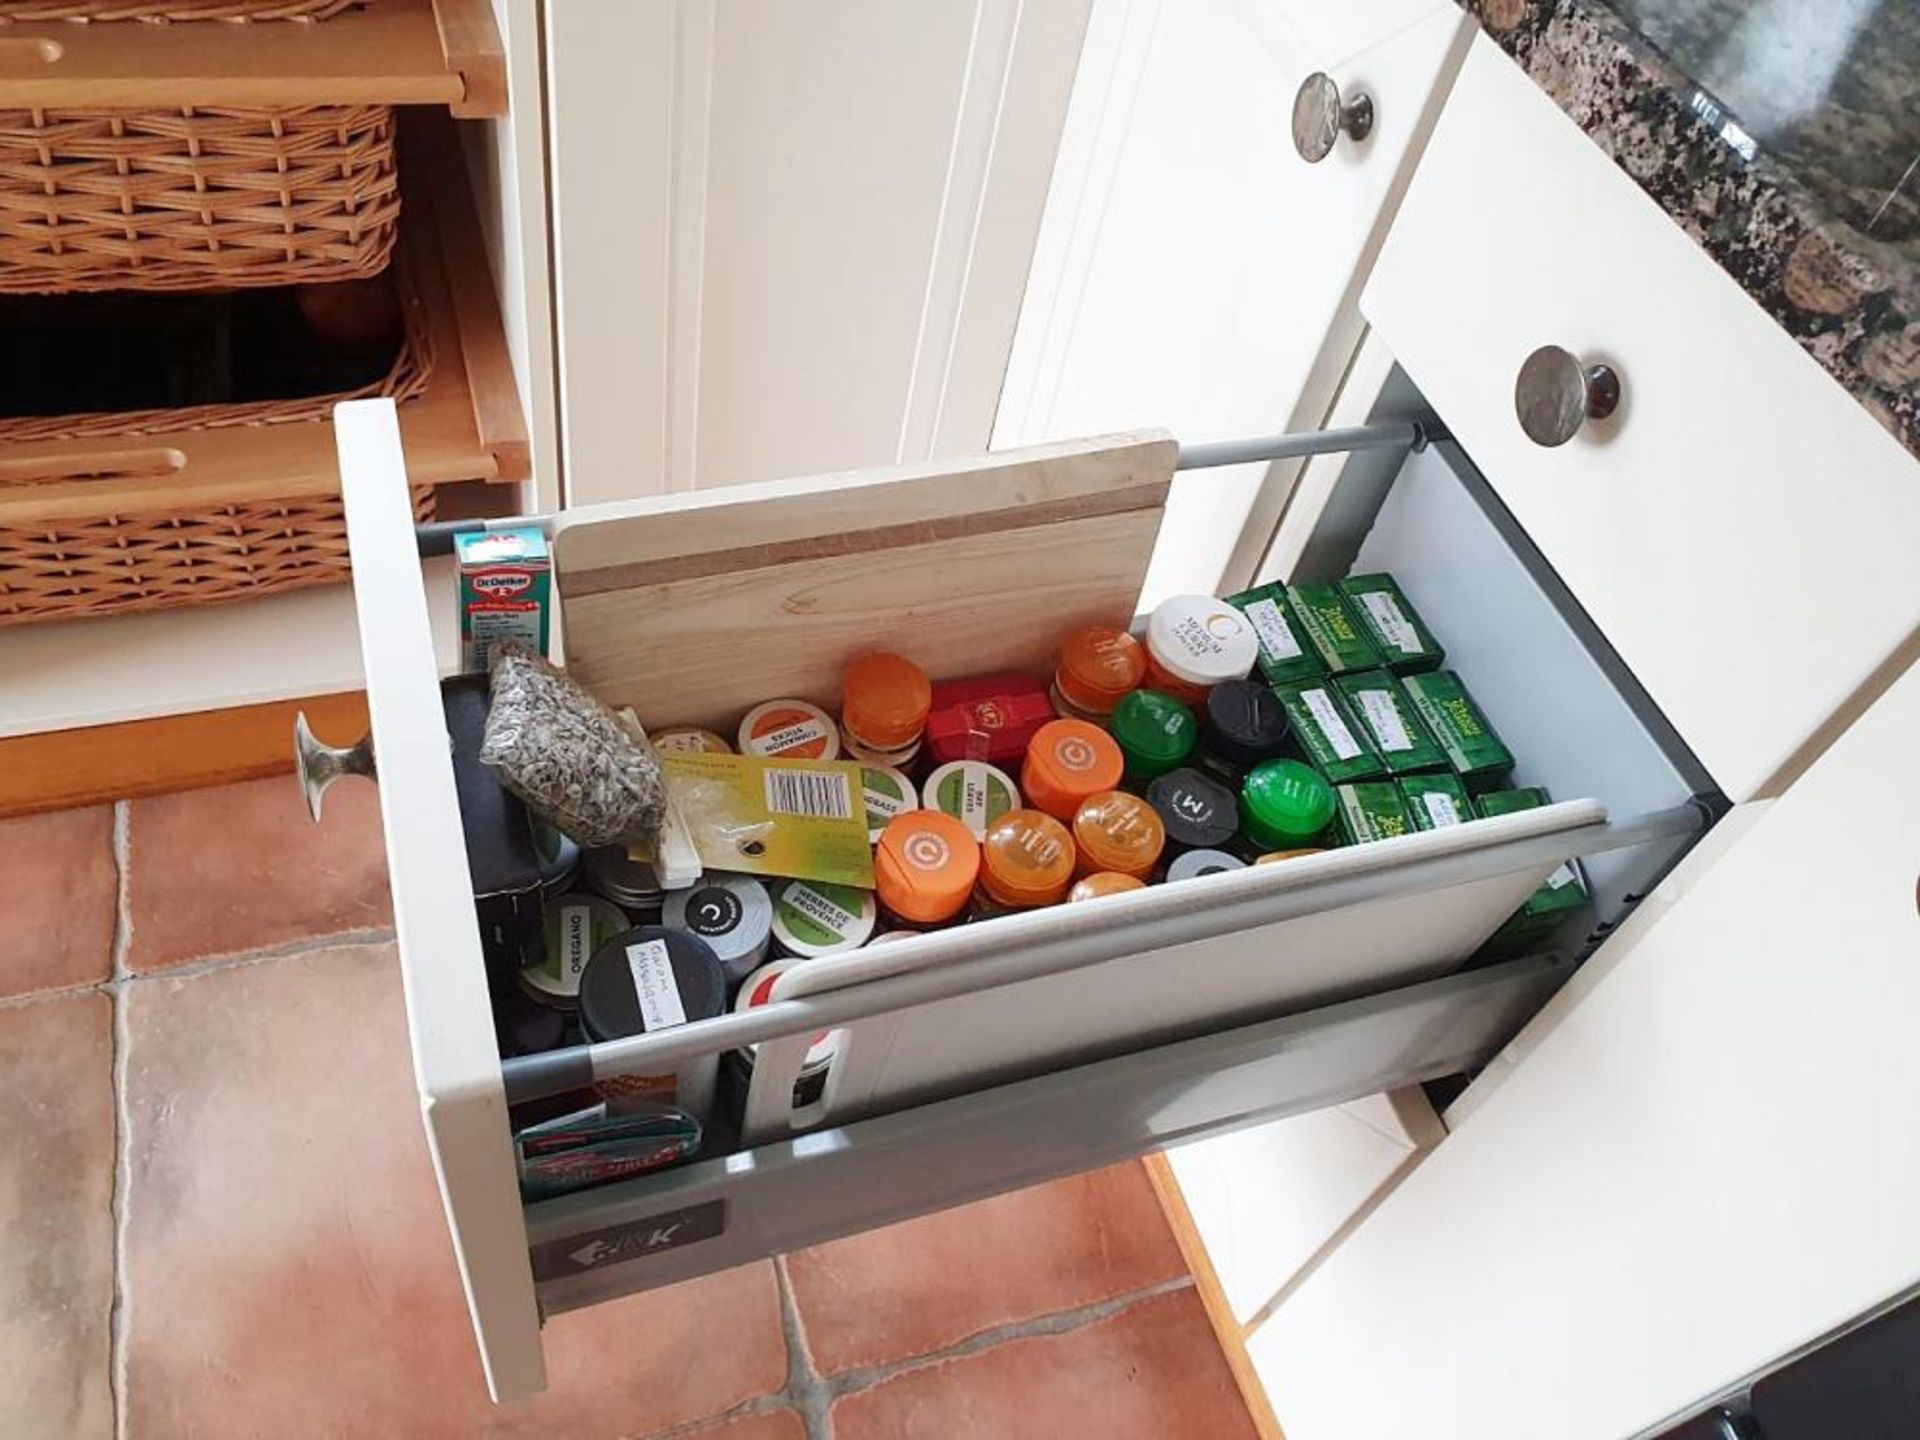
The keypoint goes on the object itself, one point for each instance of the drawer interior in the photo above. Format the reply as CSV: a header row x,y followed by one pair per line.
x,y
1575,717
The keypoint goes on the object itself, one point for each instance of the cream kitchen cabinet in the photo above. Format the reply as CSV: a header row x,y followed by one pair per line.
x,y
1707,1165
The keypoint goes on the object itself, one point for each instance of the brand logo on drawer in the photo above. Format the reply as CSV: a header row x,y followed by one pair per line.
x,y
496,583
634,1240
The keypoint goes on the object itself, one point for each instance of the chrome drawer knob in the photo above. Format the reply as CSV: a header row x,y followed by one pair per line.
x,y
1319,118
319,765
1556,394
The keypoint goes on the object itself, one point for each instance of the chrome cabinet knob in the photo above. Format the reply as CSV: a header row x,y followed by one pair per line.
x,y
1319,118
319,765
1556,394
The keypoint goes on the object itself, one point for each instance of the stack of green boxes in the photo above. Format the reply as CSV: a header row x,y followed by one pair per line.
x,y
1399,738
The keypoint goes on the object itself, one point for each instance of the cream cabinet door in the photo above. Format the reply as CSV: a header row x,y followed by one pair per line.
x,y
1740,528
1192,270
1708,1162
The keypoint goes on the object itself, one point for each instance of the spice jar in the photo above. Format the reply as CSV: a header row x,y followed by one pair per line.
x,y
1196,863
1195,642
1105,882
886,792
1285,805
1097,666
732,913
1026,861
690,740
633,885
1118,832
812,918
641,982
575,926
1155,732
1242,724
789,730
1068,763
1199,812
925,867
973,792
811,1083
884,700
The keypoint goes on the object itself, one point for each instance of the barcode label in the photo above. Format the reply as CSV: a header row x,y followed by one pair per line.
x,y
1392,620
1276,636
1331,724
1383,718
821,794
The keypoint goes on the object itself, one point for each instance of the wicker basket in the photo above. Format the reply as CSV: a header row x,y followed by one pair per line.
x,y
195,199
145,560
160,11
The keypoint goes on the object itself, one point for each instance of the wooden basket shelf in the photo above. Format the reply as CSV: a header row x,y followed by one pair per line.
x,y
380,52
466,425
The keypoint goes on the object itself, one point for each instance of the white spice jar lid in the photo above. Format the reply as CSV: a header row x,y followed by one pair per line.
x,y
1201,640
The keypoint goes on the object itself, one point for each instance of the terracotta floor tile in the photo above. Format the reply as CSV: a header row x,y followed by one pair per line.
x,y
775,1425
239,867
1152,1372
56,1218
919,1286
288,1269
58,892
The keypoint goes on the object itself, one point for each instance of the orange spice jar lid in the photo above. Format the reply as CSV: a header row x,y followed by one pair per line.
x,y
1069,762
1026,859
1098,665
1106,882
925,866
884,700
1118,832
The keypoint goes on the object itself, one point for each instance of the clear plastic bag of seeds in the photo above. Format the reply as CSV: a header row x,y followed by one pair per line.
x,y
567,755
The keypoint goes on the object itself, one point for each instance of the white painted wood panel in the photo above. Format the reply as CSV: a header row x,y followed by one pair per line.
x,y
1741,530
442,971
1337,30
1192,270
507,159
792,238
1267,1200
1708,1162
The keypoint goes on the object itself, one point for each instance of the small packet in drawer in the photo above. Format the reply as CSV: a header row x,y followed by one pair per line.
x,y
1334,742
1435,801
1402,738
1332,628
1286,656
1563,890
1392,623
1371,810
1471,747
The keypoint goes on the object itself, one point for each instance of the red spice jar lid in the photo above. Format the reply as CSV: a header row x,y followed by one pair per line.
x,y
997,713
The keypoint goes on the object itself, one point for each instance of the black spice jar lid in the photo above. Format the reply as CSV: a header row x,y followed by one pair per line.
x,y
1199,812
1244,723
650,978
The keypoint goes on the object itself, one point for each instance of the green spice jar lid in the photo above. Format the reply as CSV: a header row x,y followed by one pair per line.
x,y
1155,733
1285,804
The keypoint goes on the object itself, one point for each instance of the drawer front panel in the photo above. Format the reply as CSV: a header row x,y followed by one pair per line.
x,y
1739,529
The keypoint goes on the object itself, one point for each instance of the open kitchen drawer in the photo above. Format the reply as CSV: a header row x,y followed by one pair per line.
x,y
999,1054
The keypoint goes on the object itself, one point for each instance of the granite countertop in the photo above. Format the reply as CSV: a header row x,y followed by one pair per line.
x,y
1783,136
